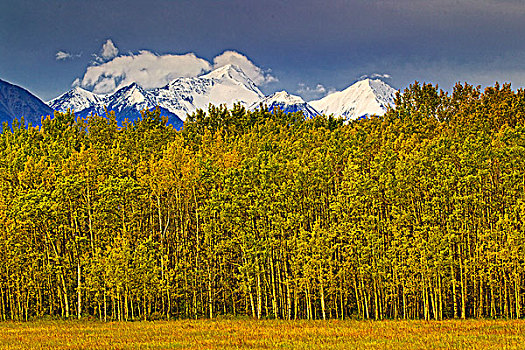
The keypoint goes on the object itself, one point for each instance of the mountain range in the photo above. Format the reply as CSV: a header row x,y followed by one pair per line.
x,y
226,85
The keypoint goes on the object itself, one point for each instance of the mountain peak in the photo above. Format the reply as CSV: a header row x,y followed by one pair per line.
x,y
80,90
365,97
130,95
284,96
227,70
287,103
130,87
233,73
76,99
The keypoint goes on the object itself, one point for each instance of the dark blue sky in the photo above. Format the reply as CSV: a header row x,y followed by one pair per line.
x,y
303,42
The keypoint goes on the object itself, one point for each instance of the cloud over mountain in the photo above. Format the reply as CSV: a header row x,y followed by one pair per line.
x,y
376,76
150,70
146,68
256,74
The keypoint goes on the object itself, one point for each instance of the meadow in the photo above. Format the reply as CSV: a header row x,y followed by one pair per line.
x,y
264,334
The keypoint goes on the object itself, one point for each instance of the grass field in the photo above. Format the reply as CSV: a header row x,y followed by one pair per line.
x,y
252,334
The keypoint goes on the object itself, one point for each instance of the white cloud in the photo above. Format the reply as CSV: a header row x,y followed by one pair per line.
x,y
110,72
381,76
109,50
311,93
146,68
259,76
63,55
376,76
105,85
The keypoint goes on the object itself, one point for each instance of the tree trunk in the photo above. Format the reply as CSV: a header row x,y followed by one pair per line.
x,y
365,297
3,304
296,302
404,302
463,287
492,301
79,292
288,299
454,293
66,300
126,307
274,292
308,303
323,301
517,295
259,296
376,301
210,293
252,302
105,306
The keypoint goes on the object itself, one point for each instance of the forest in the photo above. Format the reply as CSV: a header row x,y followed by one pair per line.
x,y
417,214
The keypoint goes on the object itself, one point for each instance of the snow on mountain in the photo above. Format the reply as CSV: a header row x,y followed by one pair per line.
x,y
130,97
286,103
78,100
16,102
127,102
226,85
232,86
366,97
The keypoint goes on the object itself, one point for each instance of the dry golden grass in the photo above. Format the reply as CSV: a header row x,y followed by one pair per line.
x,y
252,334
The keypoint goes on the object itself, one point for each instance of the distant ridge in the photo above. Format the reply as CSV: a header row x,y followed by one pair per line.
x,y
127,102
17,102
225,85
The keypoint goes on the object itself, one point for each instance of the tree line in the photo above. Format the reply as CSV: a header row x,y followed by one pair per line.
x,y
417,214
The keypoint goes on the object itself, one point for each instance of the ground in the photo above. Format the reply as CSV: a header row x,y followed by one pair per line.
x,y
268,334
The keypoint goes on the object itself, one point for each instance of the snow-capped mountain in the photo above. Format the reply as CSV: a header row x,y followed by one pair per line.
x,y
16,102
130,98
364,98
226,85
81,101
127,102
286,103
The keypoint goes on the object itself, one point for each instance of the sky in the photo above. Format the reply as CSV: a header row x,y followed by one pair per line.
x,y
307,47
